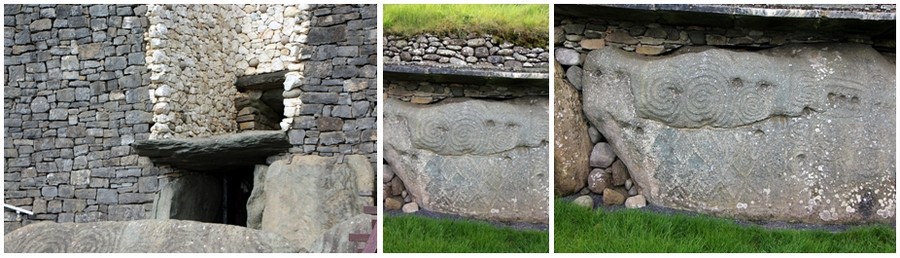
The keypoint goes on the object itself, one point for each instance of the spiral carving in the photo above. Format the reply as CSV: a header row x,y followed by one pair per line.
x,y
660,97
466,134
703,101
431,133
474,127
100,237
753,106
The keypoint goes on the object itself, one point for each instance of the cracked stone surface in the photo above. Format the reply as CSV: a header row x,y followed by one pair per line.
x,y
795,133
475,158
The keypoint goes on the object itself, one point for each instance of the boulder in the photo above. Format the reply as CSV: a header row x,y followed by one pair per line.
x,y
602,155
613,197
255,204
336,240
635,202
598,180
619,173
144,236
193,196
474,158
584,201
795,133
571,142
306,195
393,203
410,207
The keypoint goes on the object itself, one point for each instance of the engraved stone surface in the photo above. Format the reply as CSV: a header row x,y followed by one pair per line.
x,y
795,133
143,236
322,193
476,158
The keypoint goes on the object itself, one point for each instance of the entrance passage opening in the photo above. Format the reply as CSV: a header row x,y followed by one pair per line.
x,y
215,174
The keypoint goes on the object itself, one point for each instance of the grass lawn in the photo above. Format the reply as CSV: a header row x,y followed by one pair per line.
x,y
415,234
582,230
517,23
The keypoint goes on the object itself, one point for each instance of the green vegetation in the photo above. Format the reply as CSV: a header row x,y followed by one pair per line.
x,y
581,230
415,234
520,24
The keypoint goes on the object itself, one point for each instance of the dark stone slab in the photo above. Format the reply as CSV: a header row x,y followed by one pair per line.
x,y
836,19
210,154
465,75
265,81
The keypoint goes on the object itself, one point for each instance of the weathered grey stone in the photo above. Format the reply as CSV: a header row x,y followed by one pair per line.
x,y
115,63
602,155
574,74
619,173
193,196
598,180
484,159
42,24
40,105
255,204
326,35
315,208
568,57
335,239
107,196
795,133
570,142
584,201
215,152
143,236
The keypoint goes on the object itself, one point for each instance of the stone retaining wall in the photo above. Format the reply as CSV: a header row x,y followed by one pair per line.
x,y
76,95
202,49
337,85
472,50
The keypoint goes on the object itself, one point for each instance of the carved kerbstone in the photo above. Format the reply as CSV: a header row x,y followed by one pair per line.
x,y
144,236
795,133
476,158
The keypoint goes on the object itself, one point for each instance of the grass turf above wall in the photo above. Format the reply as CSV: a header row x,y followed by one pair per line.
x,y
525,25
577,230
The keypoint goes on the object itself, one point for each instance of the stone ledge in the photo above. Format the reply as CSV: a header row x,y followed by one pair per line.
x,y
220,152
777,17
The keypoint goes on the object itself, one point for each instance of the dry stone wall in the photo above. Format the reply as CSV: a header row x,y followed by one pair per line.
x,y
337,85
83,82
470,50
75,96
202,49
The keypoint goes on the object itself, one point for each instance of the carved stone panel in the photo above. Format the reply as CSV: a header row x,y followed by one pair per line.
x,y
477,158
795,133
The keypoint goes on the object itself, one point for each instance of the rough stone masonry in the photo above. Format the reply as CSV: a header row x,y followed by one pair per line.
x,y
84,82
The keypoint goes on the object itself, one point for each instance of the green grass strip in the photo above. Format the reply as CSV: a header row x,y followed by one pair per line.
x,y
579,229
415,234
520,24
